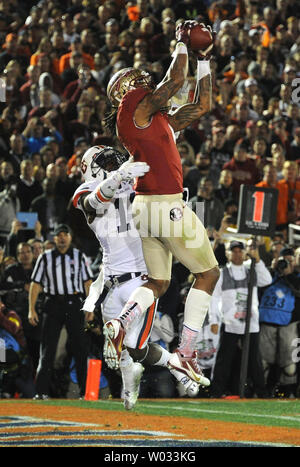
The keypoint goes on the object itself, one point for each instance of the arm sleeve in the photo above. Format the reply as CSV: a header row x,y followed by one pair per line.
x,y
264,277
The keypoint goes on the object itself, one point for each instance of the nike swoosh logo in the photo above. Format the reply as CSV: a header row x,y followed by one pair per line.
x,y
195,376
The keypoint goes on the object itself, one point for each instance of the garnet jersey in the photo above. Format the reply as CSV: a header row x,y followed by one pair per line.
x,y
154,144
115,230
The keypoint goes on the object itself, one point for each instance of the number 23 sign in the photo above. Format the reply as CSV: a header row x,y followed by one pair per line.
x,y
257,210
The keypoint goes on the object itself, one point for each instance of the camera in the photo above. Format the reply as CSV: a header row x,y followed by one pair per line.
x,y
281,265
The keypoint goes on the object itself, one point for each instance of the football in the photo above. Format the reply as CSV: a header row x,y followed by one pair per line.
x,y
200,37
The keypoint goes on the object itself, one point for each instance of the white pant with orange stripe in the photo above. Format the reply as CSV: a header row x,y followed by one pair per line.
x,y
139,331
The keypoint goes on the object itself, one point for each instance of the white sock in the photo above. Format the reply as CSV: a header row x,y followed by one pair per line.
x,y
195,310
165,357
139,301
125,359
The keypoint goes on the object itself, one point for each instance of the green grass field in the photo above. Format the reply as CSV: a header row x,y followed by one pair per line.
x,y
153,422
275,412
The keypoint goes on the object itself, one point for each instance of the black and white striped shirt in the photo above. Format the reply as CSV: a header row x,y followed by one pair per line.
x,y
62,274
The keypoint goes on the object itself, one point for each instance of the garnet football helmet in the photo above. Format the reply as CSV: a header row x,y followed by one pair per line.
x,y
126,80
98,160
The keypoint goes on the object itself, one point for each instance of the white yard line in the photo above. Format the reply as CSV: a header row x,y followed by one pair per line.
x,y
222,412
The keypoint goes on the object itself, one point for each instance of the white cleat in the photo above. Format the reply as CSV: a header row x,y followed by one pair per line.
x,y
190,388
131,377
188,366
113,342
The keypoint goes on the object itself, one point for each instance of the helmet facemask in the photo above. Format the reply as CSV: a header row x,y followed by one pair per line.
x,y
99,160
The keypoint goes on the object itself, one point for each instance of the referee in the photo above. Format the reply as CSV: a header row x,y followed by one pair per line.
x,y
65,278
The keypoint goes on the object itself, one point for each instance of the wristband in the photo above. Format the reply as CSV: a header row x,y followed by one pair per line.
x,y
96,198
203,69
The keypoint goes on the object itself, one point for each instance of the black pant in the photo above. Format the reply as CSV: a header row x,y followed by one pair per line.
x,y
60,311
225,361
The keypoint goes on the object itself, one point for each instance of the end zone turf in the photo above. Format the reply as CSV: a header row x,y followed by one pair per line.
x,y
154,423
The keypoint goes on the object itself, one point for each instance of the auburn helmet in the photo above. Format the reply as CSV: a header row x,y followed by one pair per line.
x,y
125,80
98,160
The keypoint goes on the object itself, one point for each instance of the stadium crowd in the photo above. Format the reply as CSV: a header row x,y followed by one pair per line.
x,y
56,59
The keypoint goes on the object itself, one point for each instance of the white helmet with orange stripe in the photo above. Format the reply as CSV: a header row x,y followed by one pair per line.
x,y
98,160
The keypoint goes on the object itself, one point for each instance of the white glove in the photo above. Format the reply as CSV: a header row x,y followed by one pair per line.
x,y
130,170
126,173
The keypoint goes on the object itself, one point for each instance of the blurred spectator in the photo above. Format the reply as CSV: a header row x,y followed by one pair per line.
x,y
68,28
34,133
263,132
290,180
272,109
80,146
50,207
80,127
278,160
233,134
7,175
76,46
294,152
230,300
11,52
110,47
186,151
45,65
279,317
218,150
254,73
159,43
244,170
268,79
37,248
44,47
84,80
71,73
224,190
259,152
292,118
38,173
17,376
65,186
250,135
224,52
17,151
16,283
9,206
285,93
213,207
43,102
202,168
88,41
270,181
242,113
98,73
27,187
18,235
257,104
